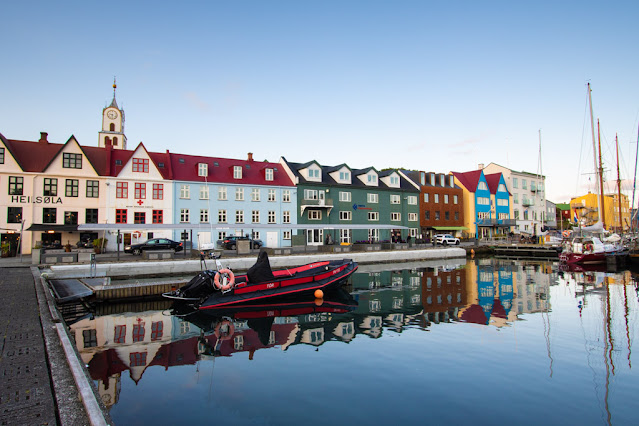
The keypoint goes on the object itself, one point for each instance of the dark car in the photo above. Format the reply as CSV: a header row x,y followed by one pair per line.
x,y
153,244
230,242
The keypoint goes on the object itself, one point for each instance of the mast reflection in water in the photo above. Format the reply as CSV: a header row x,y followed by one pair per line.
x,y
483,341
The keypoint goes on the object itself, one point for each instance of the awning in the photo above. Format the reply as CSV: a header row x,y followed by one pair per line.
x,y
450,228
45,227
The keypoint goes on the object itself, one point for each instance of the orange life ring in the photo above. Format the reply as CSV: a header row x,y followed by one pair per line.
x,y
229,284
137,234
229,333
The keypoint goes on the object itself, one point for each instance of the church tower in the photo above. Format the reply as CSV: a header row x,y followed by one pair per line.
x,y
112,125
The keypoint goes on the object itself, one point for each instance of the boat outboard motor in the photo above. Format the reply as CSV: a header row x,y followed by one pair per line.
x,y
201,285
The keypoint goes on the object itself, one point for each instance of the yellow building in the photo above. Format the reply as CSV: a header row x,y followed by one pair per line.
x,y
586,208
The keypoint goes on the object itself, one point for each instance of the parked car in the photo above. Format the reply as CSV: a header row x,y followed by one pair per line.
x,y
153,244
230,242
446,239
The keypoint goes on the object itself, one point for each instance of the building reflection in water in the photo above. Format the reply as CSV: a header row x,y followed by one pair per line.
x,y
381,300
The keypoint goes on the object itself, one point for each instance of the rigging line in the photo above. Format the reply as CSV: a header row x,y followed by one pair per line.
x,y
625,304
581,148
634,185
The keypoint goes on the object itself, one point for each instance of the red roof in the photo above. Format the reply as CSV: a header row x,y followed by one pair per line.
x,y
470,180
493,182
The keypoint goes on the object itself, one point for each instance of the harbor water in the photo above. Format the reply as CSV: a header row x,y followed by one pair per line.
x,y
479,341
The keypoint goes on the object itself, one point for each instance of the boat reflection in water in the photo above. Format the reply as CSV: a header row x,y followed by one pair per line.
x,y
378,301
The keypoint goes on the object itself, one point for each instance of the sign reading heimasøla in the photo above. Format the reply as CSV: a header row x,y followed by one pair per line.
x,y
23,199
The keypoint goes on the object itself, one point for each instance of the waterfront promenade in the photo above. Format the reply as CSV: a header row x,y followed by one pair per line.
x,y
42,381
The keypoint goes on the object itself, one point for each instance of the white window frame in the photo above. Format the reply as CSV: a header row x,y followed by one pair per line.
x,y
237,172
239,194
268,174
222,193
185,192
372,198
185,215
204,192
311,194
204,215
345,215
286,196
202,169
255,216
412,217
272,217
345,196
314,215
255,194
395,199
373,216
272,195
221,216
395,217
286,216
412,200
239,216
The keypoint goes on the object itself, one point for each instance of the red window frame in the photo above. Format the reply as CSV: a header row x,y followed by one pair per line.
x,y
141,165
140,191
138,332
139,217
157,329
122,190
120,216
137,359
119,334
158,191
158,216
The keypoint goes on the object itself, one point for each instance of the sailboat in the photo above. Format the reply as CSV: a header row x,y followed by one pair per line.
x,y
591,250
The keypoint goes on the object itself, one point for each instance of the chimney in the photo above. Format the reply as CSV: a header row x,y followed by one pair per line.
x,y
250,156
481,166
43,138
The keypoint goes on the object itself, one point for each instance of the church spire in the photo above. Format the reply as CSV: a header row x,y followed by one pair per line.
x,y
113,102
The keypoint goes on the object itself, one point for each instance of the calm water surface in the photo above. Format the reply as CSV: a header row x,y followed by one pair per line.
x,y
480,342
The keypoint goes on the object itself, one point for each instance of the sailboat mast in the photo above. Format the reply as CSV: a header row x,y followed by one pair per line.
x,y
634,187
619,187
543,187
594,146
601,193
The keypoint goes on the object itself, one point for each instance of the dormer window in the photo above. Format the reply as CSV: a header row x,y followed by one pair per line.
x,y
202,169
432,179
394,180
442,180
372,179
141,165
268,174
118,162
237,172
452,181
71,161
161,165
314,173
344,176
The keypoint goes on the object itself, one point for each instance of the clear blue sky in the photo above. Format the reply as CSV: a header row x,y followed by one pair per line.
x,y
429,85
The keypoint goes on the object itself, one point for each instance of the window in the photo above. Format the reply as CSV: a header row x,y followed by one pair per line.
x,y
373,216
436,198
255,194
286,196
158,216
157,330
373,235
286,235
119,334
1,155
286,216
140,191
371,179
525,211
49,215
313,173
345,196
122,190
139,217
395,199
446,215
344,176
51,187
516,214
204,215
425,198
239,194
268,174
437,215
93,189
255,216
239,216
427,214
71,161
221,216
314,215
90,338
412,217
484,201
372,198
221,193
91,216
158,191
412,200
502,187
237,172
204,192
311,194
141,165
345,215
138,333
185,215
455,199
14,215
202,169
524,184
185,192
271,216
515,198
345,236
72,187
456,215
120,216
515,183
396,216
482,186
394,180
137,359
445,198
16,185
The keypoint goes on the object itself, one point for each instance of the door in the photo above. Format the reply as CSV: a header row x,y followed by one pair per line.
x,y
272,239
314,237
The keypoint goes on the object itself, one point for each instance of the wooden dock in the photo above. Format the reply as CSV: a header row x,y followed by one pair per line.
x,y
526,251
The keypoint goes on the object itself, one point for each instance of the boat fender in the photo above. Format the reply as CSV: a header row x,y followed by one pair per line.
x,y
229,283
230,330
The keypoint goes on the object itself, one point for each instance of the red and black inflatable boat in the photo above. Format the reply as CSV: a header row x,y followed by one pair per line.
x,y
216,289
